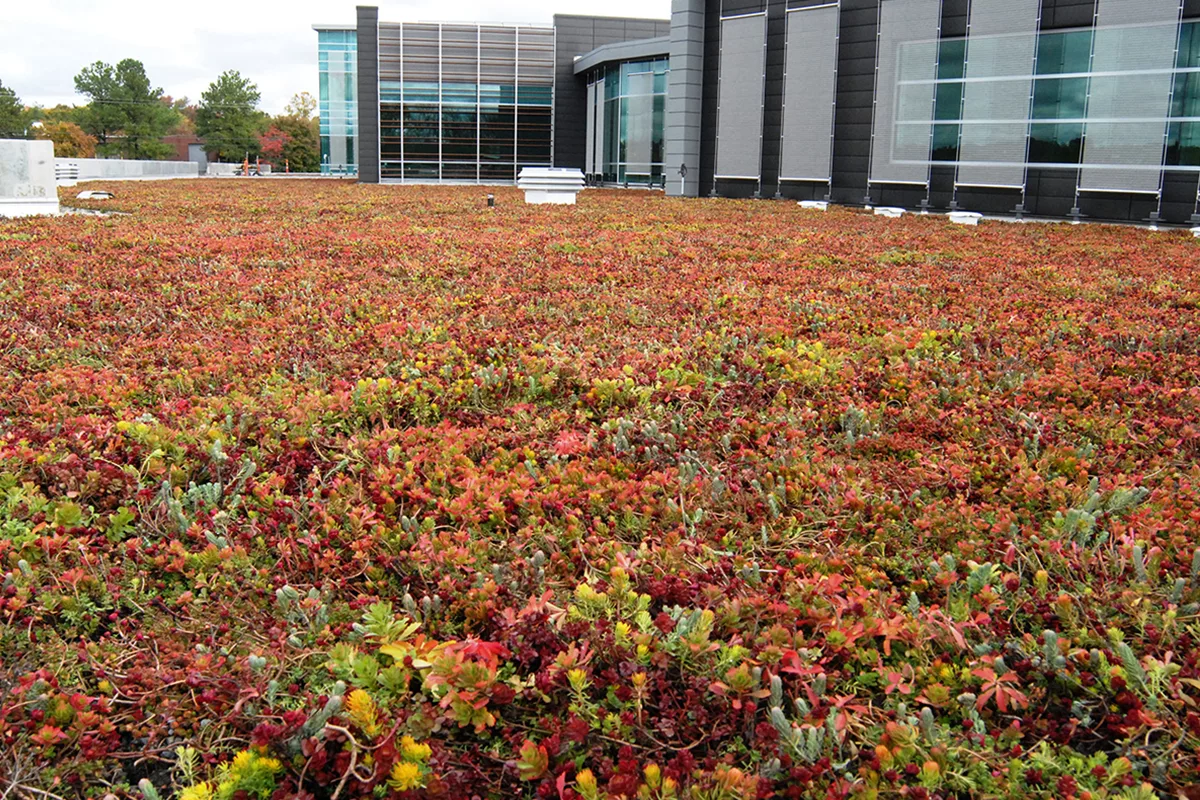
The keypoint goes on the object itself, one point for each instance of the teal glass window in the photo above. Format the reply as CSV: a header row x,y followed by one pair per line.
x,y
631,143
948,98
1189,46
945,142
337,103
462,93
460,133
1059,109
952,59
389,91
1055,143
1064,53
420,92
1060,103
1183,133
535,95
475,103
497,94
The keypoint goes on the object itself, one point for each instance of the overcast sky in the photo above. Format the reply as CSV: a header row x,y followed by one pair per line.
x,y
185,46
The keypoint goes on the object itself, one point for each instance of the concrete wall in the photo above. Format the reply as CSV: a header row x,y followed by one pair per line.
x,y
110,168
574,36
27,178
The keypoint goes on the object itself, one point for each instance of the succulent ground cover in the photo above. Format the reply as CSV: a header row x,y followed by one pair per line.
x,y
319,490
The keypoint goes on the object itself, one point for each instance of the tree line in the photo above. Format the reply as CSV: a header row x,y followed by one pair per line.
x,y
126,116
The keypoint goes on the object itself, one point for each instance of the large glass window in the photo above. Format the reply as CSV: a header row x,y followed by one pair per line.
x,y
1059,109
1060,91
337,99
460,133
465,102
497,132
1056,131
1183,134
948,98
628,118
1064,53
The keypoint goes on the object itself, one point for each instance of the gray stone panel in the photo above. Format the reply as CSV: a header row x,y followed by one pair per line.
x,y
368,94
740,96
684,89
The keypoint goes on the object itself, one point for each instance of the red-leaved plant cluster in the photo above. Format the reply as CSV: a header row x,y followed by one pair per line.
x,y
319,490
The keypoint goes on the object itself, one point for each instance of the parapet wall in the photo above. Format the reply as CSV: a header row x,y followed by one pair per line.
x,y
108,168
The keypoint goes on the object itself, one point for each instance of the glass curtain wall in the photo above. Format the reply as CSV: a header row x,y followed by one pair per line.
x,y
463,102
1183,131
626,122
1060,99
337,58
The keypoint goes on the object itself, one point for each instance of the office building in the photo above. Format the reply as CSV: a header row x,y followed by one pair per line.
x,y
1061,108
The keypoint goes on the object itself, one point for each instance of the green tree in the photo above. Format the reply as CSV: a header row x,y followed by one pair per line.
x,y
104,117
187,114
127,114
14,119
228,120
302,105
59,113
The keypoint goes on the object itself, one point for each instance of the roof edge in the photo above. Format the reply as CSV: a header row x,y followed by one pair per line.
x,y
606,17
623,51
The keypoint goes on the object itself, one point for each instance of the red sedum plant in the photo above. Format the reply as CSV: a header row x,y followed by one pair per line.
x,y
318,490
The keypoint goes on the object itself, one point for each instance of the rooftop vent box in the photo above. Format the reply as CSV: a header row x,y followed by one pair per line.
x,y
558,185
964,217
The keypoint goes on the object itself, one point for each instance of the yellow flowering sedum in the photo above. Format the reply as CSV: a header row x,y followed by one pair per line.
x,y
414,751
201,791
248,772
406,775
585,784
361,709
578,679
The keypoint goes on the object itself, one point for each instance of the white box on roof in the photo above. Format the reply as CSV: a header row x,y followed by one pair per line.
x,y
557,185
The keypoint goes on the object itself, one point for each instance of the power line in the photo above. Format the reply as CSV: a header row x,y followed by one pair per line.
x,y
110,101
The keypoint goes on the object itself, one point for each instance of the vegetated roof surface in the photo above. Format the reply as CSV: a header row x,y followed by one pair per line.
x,y
377,491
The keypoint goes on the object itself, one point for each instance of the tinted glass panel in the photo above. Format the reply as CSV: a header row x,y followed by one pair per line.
x,y
1055,144
1189,45
630,108
1067,52
952,54
948,101
337,99
464,102
1060,98
945,142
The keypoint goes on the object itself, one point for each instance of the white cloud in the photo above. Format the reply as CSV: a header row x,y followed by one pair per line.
x,y
184,47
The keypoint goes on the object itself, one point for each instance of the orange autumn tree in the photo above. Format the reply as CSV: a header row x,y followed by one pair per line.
x,y
70,140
